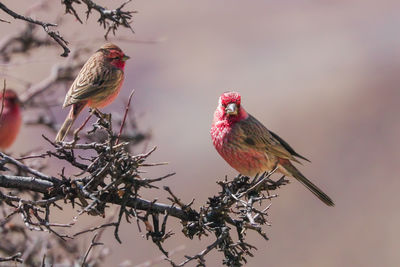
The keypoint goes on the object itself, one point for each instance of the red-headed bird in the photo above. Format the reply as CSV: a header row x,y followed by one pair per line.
x,y
97,84
250,148
10,120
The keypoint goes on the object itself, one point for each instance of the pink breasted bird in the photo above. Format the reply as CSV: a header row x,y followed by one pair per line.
x,y
250,148
10,120
97,84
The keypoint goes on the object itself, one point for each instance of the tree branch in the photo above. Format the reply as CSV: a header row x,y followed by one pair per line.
x,y
25,183
110,19
16,258
46,27
112,175
42,186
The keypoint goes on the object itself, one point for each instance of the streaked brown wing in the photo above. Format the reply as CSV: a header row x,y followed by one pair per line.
x,y
256,135
93,81
287,146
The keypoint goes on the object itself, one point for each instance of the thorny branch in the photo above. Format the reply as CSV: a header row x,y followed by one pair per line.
x,y
46,27
110,19
112,176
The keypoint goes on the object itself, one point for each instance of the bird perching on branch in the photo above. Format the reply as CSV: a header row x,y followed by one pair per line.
x,y
250,148
97,84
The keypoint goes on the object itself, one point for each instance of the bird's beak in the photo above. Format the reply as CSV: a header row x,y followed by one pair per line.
x,y
231,109
125,58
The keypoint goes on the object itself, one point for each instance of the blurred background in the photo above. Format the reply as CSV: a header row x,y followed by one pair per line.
x,y
324,75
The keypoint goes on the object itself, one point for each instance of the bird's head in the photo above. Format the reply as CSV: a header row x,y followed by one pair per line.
x,y
229,106
11,99
114,55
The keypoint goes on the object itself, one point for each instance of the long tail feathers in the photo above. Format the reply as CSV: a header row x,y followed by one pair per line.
x,y
307,183
72,115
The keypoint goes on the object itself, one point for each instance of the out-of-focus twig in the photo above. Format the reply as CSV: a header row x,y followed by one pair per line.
x,y
16,258
21,42
46,27
62,72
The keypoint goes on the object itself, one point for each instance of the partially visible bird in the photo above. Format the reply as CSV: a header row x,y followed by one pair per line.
x,y
97,84
250,148
10,119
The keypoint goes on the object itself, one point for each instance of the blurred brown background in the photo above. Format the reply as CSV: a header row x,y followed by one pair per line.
x,y
324,75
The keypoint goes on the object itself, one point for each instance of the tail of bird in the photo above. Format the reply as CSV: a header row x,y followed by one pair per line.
x,y
72,115
307,183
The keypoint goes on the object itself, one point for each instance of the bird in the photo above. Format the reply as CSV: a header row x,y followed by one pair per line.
x,y
97,84
250,148
10,118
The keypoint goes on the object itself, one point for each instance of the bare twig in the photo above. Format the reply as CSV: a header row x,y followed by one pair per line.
x,y
46,27
125,115
95,228
110,19
16,258
200,255
161,258
21,42
7,159
92,244
60,73
2,20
